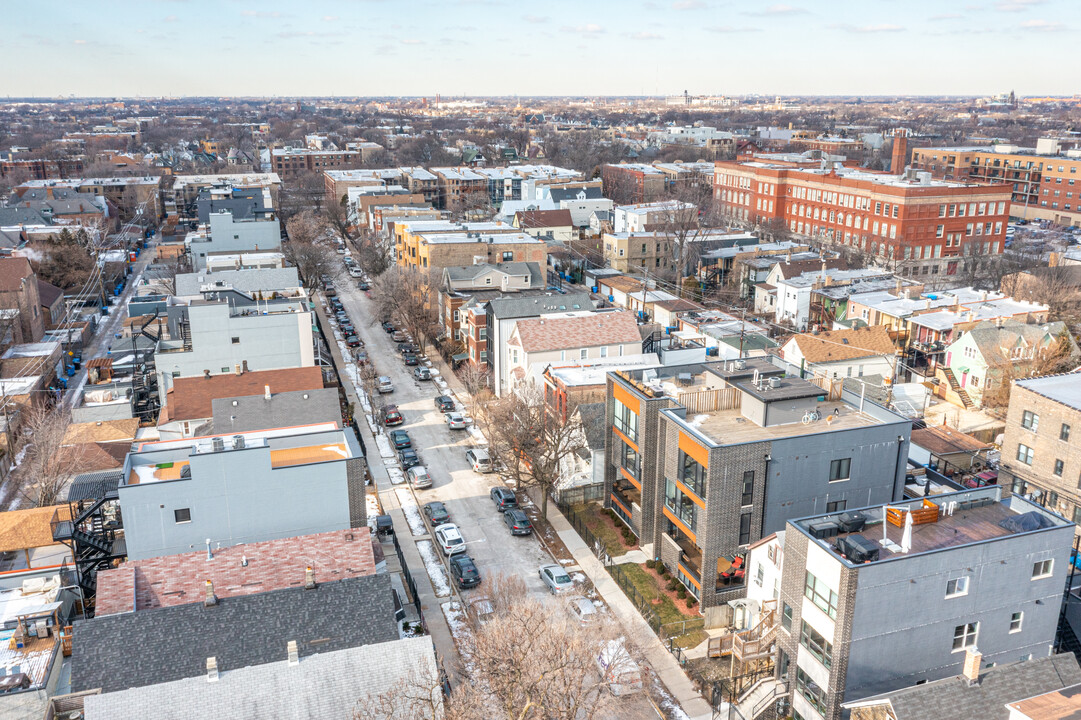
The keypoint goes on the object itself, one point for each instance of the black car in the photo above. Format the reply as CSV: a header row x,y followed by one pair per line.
x,y
407,348
408,458
363,285
401,440
464,571
503,498
347,328
410,359
517,522
444,403
388,326
437,513
353,341
336,304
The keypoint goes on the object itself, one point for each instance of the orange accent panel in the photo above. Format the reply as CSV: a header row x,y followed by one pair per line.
x,y
692,448
631,480
617,502
626,439
624,396
692,495
686,530
690,576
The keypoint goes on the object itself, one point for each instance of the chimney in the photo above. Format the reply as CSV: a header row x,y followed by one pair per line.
x,y
211,599
294,655
823,267
900,151
309,578
900,285
266,392
1052,259
970,671
245,365
983,296
827,280
211,669
206,374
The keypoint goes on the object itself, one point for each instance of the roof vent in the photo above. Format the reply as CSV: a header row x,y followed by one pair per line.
x,y
211,599
211,669
775,382
294,655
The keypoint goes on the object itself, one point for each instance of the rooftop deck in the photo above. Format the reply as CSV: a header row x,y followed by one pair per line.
x,y
729,427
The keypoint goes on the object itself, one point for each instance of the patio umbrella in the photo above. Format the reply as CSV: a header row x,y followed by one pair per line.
x,y
906,538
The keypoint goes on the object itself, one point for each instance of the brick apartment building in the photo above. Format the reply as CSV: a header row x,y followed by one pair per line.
x,y
633,183
912,220
128,194
291,163
41,169
19,291
1046,183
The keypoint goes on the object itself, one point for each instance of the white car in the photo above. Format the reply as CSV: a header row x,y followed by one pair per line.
x,y
455,421
450,539
583,610
419,477
556,578
355,272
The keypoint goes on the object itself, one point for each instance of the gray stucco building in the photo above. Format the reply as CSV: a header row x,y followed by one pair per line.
x,y
705,459
229,234
239,488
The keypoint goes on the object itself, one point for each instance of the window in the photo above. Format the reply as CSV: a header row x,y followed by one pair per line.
x,y
820,648
748,488
626,421
1064,433
836,506
692,474
760,575
744,529
1058,467
813,694
1015,621
1042,569
957,587
681,505
1024,454
1030,421
786,617
183,515
176,373
583,353
839,469
236,341
819,593
225,369
965,636
630,460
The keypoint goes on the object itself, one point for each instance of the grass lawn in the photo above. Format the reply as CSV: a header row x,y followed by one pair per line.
x,y
604,528
667,610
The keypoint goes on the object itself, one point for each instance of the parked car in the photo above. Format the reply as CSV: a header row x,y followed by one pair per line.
x,y
361,357
464,571
354,272
406,348
618,669
353,341
503,498
408,458
419,477
583,610
436,511
384,384
363,285
455,421
401,439
479,460
481,609
330,291
392,416
450,539
347,328
399,336
517,522
336,304
444,403
422,373
388,326
410,359
556,578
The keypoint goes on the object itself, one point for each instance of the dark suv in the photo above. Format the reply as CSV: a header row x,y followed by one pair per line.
x,y
464,571
444,403
517,522
392,416
503,498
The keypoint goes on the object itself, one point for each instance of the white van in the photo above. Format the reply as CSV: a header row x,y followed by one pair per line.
x,y
619,669
479,460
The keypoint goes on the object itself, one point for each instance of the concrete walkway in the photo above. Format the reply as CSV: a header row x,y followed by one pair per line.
x,y
634,556
662,661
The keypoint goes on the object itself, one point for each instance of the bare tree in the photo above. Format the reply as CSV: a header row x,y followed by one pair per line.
x,y
48,465
1059,356
337,218
533,443
408,297
309,249
375,253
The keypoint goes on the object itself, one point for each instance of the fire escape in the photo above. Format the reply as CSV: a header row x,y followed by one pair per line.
x,y
95,532
144,377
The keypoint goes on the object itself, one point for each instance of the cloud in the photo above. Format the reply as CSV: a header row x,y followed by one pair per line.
x,y
535,19
292,34
946,16
587,29
645,36
688,5
171,18
731,30
261,13
779,11
1042,26
411,41
78,42
1016,5
330,18
867,29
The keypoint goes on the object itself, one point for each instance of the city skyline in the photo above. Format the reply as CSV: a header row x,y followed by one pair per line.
x,y
500,48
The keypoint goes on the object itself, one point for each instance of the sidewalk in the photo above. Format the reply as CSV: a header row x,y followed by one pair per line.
x,y
662,661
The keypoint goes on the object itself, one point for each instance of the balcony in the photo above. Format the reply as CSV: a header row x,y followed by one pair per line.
x,y
627,494
690,561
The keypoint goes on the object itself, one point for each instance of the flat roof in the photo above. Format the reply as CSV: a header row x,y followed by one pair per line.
x,y
731,427
1064,388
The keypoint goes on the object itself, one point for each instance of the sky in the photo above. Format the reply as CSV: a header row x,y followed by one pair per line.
x,y
550,47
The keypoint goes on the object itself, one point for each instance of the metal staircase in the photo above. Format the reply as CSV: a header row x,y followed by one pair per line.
x,y
94,531
956,387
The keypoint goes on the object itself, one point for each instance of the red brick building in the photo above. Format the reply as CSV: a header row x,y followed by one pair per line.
x,y
632,183
922,225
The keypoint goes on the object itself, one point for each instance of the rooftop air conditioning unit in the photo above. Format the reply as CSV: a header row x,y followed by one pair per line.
x,y
741,364
238,442
218,444
775,382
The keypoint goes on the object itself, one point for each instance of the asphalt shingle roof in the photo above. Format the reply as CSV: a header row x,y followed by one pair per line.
x,y
608,328
192,398
531,306
255,412
131,650
837,345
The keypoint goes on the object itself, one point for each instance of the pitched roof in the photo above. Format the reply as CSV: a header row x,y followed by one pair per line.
x,y
191,398
515,306
116,652
140,585
255,412
327,685
837,345
49,293
13,271
31,528
993,339
954,699
607,328
591,192
102,431
542,218
943,440
795,268
592,415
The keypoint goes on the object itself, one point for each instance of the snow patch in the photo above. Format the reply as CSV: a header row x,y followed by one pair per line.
x,y
477,435
371,505
697,420
667,703
456,619
397,477
434,566
386,451
412,513
578,577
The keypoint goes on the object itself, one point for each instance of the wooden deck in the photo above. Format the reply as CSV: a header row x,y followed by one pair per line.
x,y
964,526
